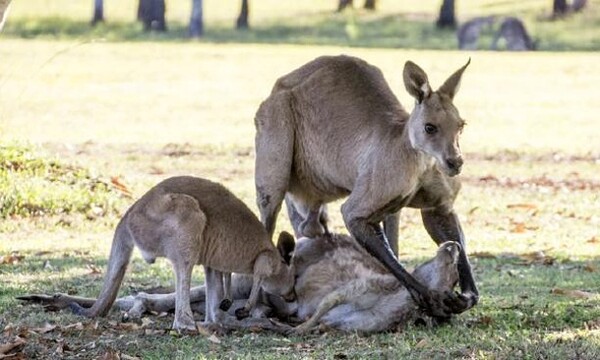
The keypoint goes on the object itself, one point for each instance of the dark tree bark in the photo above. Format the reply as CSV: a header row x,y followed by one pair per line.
x,y
578,5
196,19
242,20
344,4
152,14
559,7
98,12
370,4
446,18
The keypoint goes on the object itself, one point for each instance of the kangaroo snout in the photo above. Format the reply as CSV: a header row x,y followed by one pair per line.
x,y
454,165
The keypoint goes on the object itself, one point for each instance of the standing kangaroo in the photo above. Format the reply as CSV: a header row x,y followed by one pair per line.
x,y
333,128
195,221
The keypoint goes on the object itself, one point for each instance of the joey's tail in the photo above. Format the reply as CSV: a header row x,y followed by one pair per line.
x,y
120,253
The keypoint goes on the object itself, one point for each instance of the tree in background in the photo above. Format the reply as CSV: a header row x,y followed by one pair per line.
x,y
559,8
196,20
242,20
3,12
446,18
98,12
152,14
369,4
578,5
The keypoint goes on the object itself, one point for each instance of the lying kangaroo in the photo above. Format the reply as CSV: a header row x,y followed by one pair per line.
x,y
333,128
338,283
195,221
364,297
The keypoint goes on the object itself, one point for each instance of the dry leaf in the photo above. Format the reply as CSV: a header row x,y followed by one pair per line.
x,y
94,270
522,206
213,338
76,326
593,240
6,348
127,357
120,186
537,257
153,332
110,355
482,255
592,324
422,343
44,329
11,259
580,294
518,228
486,320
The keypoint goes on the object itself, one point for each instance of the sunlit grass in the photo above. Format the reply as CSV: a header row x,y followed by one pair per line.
x,y
145,111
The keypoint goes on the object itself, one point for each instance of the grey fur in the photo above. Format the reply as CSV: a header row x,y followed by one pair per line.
x,y
195,221
334,129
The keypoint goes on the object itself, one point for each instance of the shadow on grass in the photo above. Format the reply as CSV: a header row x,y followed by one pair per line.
x,y
395,31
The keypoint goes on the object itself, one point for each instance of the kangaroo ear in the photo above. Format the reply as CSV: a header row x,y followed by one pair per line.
x,y
3,12
416,82
286,246
452,85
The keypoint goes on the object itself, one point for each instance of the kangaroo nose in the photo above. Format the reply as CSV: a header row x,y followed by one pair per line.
x,y
454,164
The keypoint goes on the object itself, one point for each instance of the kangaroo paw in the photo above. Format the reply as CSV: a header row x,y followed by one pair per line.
x,y
225,304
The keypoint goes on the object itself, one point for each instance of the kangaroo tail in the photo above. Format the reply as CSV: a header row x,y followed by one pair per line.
x,y
120,253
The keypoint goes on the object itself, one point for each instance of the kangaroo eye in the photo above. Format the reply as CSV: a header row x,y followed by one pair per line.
x,y
430,129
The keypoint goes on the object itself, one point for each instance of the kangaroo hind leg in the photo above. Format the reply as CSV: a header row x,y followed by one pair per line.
x,y
274,154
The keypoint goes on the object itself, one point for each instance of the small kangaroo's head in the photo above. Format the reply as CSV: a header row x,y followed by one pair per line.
x,y
441,272
282,279
434,125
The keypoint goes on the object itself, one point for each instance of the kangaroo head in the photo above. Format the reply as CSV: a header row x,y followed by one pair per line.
x,y
282,278
434,125
441,272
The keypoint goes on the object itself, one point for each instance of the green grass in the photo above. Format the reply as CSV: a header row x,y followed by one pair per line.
x,y
396,24
143,111
32,185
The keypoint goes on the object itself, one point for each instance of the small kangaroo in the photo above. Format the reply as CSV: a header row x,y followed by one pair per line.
x,y
193,221
333,129
4,6
349,290
514,33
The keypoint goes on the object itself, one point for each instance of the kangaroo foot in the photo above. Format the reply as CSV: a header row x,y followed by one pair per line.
x,y
225,304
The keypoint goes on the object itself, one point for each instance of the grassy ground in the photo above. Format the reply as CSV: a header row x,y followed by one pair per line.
x,y
405,24
126,115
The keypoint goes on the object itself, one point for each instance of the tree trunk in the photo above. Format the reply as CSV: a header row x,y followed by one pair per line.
x,y
578,5
242,20
196,21
559,7
446,18
370,4
344,4
98,12
152,14
4,4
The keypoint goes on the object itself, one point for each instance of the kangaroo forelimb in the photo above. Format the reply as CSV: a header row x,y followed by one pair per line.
x,y
443,225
